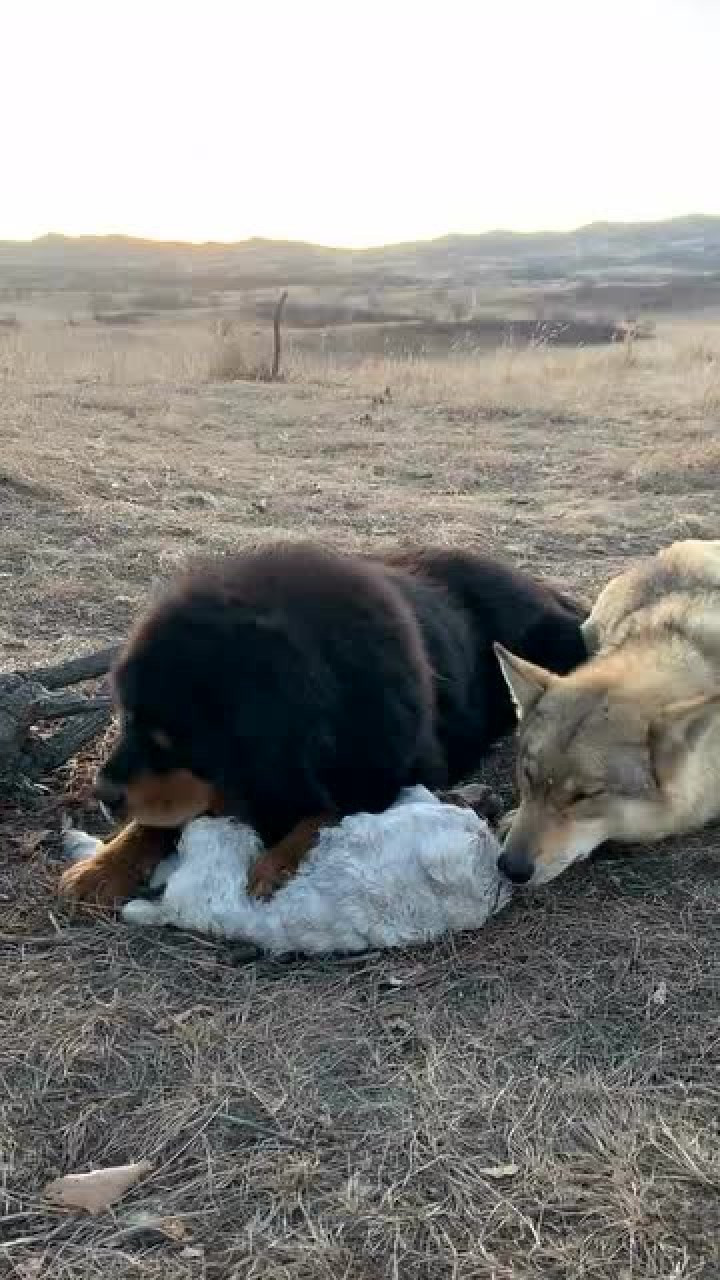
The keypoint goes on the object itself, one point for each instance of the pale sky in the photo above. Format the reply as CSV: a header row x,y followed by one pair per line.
x,y
354,122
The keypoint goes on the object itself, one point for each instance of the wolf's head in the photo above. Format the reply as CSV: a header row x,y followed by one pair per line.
x,y
597,760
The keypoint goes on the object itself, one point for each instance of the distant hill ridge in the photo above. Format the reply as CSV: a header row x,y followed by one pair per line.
x,y
671,230
658,250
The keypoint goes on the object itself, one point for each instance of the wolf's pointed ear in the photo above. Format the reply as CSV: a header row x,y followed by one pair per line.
x,y
591,636
526,682
675,730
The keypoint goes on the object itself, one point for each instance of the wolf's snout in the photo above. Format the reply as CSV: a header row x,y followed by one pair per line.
x,y
516,867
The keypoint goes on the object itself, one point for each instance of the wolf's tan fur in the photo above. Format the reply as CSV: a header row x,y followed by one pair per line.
x,y
627,747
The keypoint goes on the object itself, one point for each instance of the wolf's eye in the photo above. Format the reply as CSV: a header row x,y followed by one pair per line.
x,y
589,793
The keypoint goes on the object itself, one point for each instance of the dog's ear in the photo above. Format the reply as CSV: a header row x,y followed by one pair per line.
x,y
675,730
526,682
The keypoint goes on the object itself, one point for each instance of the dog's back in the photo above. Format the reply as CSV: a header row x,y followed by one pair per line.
x,y
465,602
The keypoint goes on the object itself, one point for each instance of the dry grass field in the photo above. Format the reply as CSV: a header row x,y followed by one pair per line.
x,y
537,1100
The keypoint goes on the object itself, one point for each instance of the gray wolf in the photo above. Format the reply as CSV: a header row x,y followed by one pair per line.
x,y
627,746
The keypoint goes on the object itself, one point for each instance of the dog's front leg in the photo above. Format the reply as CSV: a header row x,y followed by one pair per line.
x,y
279,863
119,866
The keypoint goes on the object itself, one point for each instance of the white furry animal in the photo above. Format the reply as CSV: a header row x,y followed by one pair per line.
x,y
413,873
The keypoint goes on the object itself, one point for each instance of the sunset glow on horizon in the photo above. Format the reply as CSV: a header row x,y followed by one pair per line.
x,y
354,123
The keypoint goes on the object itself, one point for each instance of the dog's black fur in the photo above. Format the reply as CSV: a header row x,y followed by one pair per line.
x,y
298,680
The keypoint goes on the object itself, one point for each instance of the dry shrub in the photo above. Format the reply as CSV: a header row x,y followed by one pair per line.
x,y
233,362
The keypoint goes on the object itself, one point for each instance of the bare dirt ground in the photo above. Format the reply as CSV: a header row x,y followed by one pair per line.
x,y
540,1099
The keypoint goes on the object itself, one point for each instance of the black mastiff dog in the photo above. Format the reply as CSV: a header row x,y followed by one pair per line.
x,y
292,685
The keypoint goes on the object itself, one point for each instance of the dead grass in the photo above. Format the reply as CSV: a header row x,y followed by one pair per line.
x,y
681,469
662,375
677,372
539,1100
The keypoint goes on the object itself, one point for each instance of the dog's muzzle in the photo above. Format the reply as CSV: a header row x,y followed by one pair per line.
x,y
111,798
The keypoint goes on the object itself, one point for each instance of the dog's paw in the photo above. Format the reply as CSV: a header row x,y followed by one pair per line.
x,y
266,876
88,881
78,845
142,911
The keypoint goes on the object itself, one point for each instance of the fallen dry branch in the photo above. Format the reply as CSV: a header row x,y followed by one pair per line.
x,y
90,667
31,700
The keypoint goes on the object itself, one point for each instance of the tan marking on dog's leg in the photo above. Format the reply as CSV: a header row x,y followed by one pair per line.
x,y
120,866
278,864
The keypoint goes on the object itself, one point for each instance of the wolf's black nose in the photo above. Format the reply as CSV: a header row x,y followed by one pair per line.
x,y
516,867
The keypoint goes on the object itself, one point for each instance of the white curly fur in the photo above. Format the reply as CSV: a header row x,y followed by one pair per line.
x,y
413,873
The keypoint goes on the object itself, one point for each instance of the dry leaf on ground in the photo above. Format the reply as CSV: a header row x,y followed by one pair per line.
x,y
96,1190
